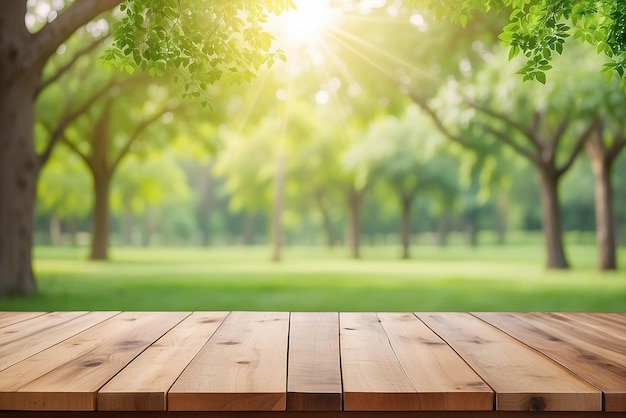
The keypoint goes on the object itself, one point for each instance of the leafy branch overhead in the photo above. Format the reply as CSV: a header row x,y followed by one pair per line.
x,y
538,29
200,41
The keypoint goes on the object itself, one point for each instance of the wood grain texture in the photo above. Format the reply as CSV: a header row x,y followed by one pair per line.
x,y
594,353
9,318
304,414
255,364
613,323
143,384
314,369
62,379
522,378
22,340
242,367
373,379
442,379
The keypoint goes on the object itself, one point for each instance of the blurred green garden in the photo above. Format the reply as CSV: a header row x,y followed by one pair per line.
x,y
365,156
457,278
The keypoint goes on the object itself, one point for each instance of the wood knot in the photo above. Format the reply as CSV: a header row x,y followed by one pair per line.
x,y
537,403
243,362
230,343
130,343
91,364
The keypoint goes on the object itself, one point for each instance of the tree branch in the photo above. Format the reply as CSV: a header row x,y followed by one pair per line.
x,y
77,150
552,145
508,141
616,147
506,119
421,102
62,70
48,39
580,143
68,118
136,133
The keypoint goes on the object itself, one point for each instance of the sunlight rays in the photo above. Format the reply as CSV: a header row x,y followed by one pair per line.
x,y
304,25
338,32
323,42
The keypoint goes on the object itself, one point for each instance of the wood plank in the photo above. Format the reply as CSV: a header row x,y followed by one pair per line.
x,y
373,379
304,414
442,379
613,323
67,376
314,369
522,378
143,384
10,318
242,367
595,355
22,340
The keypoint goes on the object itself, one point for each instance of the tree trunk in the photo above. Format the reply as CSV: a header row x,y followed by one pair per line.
x,y
551,218
443,227
55,230
127,222
204,184
605,221
277,208
471,223
249,229
72,229
19,165
353,238
407,203
100,220
501,209
148,228
328,226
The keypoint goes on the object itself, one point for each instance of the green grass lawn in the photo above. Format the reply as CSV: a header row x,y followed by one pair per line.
x,y
456,278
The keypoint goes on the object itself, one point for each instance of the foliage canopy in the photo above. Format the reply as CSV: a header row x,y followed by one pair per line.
x,y
539,28
202,42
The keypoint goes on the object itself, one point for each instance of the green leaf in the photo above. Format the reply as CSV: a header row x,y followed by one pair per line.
x,y
541,77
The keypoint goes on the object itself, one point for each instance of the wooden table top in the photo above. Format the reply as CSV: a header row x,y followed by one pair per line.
x,y
281,361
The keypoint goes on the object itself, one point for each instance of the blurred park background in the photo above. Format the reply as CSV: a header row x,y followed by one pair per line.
x,y
390,162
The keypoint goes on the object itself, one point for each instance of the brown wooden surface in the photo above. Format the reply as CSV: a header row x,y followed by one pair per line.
x,y
522,378
596,354
373,378
9,318
442,380
314,369
243,367
23,339
306,414
70,381
223,364
143,384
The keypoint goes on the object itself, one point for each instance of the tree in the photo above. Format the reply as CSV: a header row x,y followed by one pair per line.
x,y
62,193
544,130
175,39
402,154
24,56
604,147
104,140
143,184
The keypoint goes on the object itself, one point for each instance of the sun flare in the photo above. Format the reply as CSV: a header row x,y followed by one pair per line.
x,y
306,23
